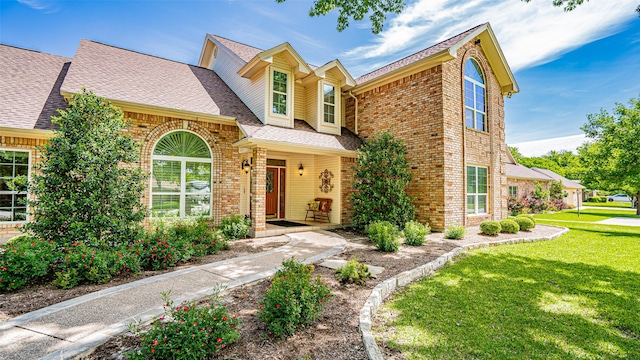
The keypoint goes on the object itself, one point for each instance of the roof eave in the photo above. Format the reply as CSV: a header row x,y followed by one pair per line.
x,y
265,58
275,145
26,133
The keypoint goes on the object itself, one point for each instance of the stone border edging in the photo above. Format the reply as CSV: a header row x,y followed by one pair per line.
x,y
387,287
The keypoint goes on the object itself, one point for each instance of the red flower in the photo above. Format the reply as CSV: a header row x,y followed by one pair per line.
x,y
277,306
224,318
155,342
153,350
219,340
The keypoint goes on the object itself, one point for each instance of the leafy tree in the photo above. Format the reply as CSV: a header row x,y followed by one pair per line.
x,y
612,159
515,152
86,188
381,177
556,190
563,162
378,10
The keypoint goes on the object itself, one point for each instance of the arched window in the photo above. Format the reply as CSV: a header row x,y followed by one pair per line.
x,y
181,176
475,114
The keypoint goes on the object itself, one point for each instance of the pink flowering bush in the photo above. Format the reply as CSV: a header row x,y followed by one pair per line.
x,y
292,299
187,331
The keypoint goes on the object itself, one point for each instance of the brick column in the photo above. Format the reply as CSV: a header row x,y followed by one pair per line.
x,y
258,190
346,188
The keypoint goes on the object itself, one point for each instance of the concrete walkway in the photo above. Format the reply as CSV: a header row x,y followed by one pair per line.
x,y
70,328
624,221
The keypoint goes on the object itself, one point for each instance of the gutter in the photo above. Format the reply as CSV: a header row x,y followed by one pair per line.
x,y
356,117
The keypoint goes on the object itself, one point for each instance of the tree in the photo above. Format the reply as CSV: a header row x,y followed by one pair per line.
x,y
86,187
378,10
563,162
381,176
612,159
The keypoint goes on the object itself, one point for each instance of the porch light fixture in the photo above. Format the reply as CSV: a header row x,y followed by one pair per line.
x,y
246,166
300,169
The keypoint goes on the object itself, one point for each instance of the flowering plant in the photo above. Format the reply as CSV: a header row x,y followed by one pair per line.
x,y
187,331
292,299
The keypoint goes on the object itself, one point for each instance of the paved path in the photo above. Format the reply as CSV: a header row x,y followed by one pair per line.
x,y
75,326
621,221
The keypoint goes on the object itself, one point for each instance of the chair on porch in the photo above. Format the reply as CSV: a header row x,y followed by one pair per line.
x,y
319,209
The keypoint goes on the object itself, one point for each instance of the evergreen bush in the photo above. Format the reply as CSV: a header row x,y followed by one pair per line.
x,y
415,234
384,235
490,227
509,226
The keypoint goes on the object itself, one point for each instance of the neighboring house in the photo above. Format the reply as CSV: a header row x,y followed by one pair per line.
x,y
521,179
574,189
267,132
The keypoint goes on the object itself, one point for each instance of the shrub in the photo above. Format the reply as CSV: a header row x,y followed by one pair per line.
x,y
415,234
187,331
24,261
86,189
382,174
530,217
353,272
22,238
509,226
490,227
235,227
292,299
455,232
525,224
600,199
384,235
514,205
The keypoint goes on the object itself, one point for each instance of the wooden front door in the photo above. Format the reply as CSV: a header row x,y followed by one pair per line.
x,y
272,192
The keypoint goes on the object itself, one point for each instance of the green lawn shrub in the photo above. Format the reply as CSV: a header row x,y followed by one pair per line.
x,y
353,272
187,331
530,217
415,234
509,226
384,235
455,232
597,199
490,227
525,223
24,261
235,227
292,299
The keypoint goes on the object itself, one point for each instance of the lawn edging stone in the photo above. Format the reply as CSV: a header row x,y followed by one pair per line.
x,y
383,290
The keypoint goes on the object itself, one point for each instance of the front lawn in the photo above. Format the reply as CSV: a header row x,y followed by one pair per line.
x,y
573,297
589,215
614,204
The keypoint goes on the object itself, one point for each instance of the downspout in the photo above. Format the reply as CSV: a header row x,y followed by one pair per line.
x,y
356,114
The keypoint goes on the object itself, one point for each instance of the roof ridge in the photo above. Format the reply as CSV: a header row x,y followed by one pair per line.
x,y
36,51
237,42
423,50
138,52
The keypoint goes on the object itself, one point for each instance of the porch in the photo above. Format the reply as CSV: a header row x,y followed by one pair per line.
x,y
276,227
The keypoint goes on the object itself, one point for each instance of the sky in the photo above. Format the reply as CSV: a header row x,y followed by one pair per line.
x,y
567,65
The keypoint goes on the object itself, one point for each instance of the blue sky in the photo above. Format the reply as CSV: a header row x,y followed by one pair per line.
x,y
566,64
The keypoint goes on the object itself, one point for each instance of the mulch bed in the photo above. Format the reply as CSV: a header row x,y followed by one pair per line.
x,y
335,334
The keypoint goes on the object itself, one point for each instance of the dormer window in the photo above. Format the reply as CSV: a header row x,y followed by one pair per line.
x,y
279,94
329,100
475,114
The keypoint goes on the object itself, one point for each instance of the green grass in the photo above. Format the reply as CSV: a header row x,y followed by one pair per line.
x,y
577,296
589,215
608,204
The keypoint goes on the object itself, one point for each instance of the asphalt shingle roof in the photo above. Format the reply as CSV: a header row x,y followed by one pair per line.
x,y
522,172
30,87
565,182
423,54
245,52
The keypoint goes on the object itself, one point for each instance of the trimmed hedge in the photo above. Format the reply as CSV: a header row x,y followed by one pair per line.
x,y
525,223
509,226
530,217
490,227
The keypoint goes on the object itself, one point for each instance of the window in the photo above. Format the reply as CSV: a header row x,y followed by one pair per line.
x,y
13,203
476,190
279,94
475,114
329,100
181,176
513,191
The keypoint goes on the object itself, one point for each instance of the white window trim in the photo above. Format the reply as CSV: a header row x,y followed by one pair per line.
x,y
514,187
336,112
476,194
183,178
288,94
473,109
28,179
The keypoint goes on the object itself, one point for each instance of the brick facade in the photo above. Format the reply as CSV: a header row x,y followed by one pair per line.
x,y
425,110
346,186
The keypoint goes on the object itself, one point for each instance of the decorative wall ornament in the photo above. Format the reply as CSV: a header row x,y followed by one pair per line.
x,y
326,186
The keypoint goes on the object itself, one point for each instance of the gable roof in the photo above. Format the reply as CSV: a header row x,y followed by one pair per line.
x,y
517,171
565,182
447,49
243,51
30,87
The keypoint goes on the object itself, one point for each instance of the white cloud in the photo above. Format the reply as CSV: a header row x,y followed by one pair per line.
x,y
544,146
47,6
530,34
